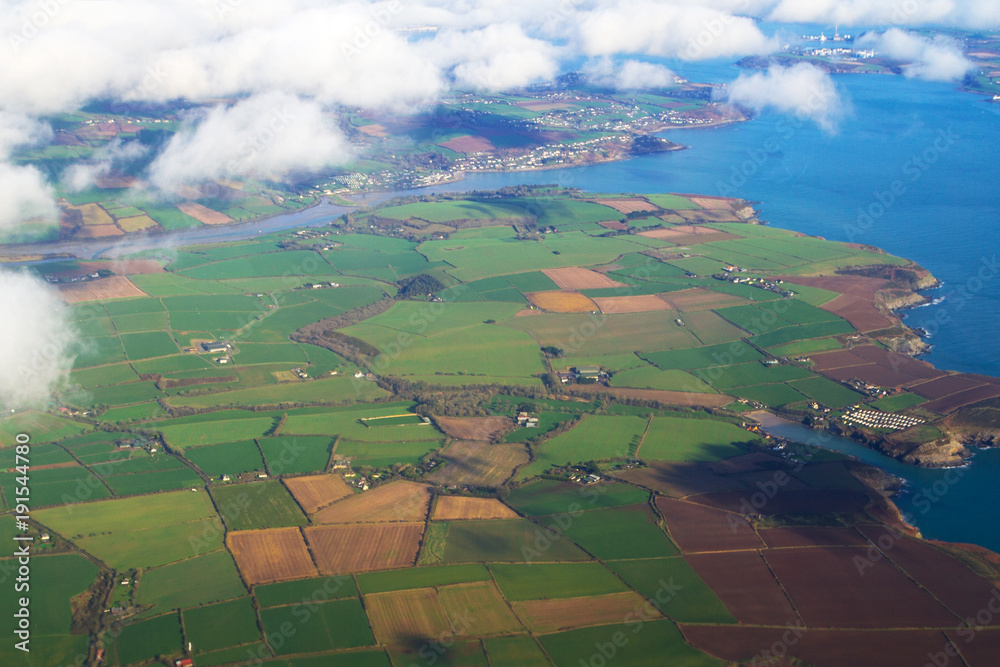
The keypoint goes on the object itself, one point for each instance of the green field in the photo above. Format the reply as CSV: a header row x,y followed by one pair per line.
x,y
545,497
596,437
230,458
145,640
831,394
289,455
515,651
681,439
675,589
321,627
898,402
615,533
221,625
195,581
638,645
258,505
306,591
537,581
508,540
421,577
714,355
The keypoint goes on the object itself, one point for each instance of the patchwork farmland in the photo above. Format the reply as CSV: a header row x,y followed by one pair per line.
x,y
499,424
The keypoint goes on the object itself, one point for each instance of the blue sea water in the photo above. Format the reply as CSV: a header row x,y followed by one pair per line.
x,y
913,168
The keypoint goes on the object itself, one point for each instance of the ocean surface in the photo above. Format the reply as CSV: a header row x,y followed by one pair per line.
x,y
938,146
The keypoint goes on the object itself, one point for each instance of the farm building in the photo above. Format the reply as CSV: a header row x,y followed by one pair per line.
x,y
215,346
588,372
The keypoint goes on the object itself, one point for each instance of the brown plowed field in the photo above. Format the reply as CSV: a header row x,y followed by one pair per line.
x,y
478,463
897,361
450,508
614,224
317,491
828,648
945,386
679,479
947,579
699,528
828,588
979,650
562,302
115,287
812,536
574,277
754,462
662,395
626,205
856,302
642,303
474,428
478,609
826,361
469,144
276,554
395,501
859,311
364,547
700,299
567,613
785,500
203,214
746,586
961,399
374,130
407,617
125,267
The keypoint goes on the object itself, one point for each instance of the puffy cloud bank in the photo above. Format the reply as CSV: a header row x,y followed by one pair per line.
x,y
37,341
937,59
266,136
803,89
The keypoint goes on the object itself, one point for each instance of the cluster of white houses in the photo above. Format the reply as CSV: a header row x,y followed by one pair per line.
x,y
883,420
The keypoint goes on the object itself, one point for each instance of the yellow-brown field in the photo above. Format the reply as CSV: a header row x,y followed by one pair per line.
x,y
137,223
93,214
98,231
575,277
569,613
363,547
641,303
204,214
699,298
450,508
562,302
478,463
478,609
115,287
473,428
269,555
396,501
405,616
317,491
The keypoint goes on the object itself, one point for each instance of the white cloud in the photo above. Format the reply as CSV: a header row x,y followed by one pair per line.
x,y
973,14
937,59
803,89
24,195
266,136
494,58
668,29
37,341
111,156
628,75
